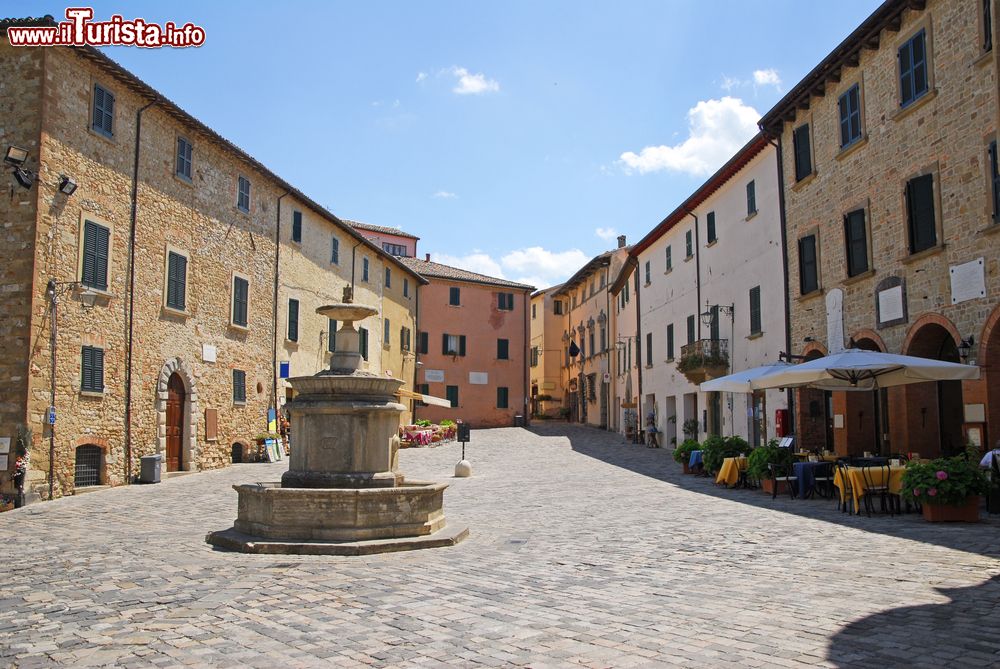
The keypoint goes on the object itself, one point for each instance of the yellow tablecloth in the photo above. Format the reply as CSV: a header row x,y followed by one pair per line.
x,y
729,473
856,478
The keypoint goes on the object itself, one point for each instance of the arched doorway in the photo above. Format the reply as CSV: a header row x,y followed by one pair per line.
x,y
87,470
932,412
176,395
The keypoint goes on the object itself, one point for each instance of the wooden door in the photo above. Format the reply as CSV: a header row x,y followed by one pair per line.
x,y
175,423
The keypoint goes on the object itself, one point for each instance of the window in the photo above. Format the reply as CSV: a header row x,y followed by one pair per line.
x,y
583,348
406,287
710,223
713,330
604,338
856,238
331,340
503,349
987,7
648,281
394,249
557,307
850,116
995,180
670,260
404,339
364,269
451,394
593,349
293,320
176,280
912,69
534,311
363,342
920,213
502,397
454,296
649,349
751,199
334,250
691,329
103,120
808,265
688,244
385,333
96,240
92,369
670,342
803,152
388,278
243,195
453,344
505,301
423,343
755,326
241,298
297,227
183,166
87,468
239,386
534,356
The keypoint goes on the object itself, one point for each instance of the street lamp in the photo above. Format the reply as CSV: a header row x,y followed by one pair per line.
x,y
965,348
87,297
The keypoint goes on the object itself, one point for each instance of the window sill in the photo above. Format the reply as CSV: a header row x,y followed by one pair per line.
x,y
982,59
107,138
455,306
93,394
916,104
920,255
852,147
669,360
751,215
851,280
810,295
805,181
755,335
187,181
239,328
668,271
649,367
244,212
688,258
171,311
239,404
647,284
712,243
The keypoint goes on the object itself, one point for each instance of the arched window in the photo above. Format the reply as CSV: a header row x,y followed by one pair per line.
x,y
88,466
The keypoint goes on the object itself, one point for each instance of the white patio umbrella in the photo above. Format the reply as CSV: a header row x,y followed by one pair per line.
x,y
739,382
856,369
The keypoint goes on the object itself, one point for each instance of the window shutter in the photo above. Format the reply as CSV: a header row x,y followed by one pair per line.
x,y
710,225
920,197
649,349
89,277
176,280
86,368
332,344
755,324
691,329
293,320
808,279
995,181
109,112
423,342
714,332
461,345
98,121
444,343
670,342
803,157
296,226
335,252
363,336
857,242
101,262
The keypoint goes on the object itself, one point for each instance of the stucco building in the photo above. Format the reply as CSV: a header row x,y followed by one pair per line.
x,y
711,301
391,240
473,345
891,187
548,324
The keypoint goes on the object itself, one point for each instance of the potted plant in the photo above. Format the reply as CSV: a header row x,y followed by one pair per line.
x,y
690,428
715,449
564,413
948,489
682,454
761,457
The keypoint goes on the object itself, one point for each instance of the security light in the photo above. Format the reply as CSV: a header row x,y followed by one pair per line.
x,y
24,177
66,185
15,155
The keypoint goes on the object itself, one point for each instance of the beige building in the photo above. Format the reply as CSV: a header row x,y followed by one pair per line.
x,y
548,323
892,197
150,243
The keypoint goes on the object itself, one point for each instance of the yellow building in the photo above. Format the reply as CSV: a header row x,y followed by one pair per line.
x,y
548,322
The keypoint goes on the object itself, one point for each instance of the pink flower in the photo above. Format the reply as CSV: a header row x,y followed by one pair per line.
x,y
942,475
932,491
916,492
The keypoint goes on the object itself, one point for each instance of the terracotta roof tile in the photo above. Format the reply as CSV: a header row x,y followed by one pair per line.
x,y
437,270
384,229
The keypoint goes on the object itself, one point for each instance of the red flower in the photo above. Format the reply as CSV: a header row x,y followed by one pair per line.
x,y
932,491
916,492
942,475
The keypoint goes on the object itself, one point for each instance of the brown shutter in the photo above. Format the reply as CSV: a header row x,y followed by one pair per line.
x,y
211,424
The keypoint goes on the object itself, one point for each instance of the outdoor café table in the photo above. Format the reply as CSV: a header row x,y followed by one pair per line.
x,y
805,473
695,460
729,473
857,480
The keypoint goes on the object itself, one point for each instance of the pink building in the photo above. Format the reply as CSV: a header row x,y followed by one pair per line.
x,y
392,240
472,345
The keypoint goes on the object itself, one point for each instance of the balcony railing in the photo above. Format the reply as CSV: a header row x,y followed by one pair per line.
x,y
704,359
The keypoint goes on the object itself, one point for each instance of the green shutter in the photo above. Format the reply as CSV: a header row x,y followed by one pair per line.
x,y
755,323
444,344
461,345
293,320
332,344
176,280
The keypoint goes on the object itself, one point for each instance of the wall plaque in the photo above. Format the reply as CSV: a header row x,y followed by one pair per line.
x,y
968,281
479,378
434,375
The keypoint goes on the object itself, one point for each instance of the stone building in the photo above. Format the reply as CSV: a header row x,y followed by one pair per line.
x,y
159,239
711,301
545,354
892,197
472,346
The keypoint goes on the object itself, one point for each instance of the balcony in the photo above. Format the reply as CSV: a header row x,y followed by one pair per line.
x,y
704,359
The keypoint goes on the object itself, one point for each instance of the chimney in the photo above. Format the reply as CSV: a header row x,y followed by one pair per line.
x,y
621,241
428,257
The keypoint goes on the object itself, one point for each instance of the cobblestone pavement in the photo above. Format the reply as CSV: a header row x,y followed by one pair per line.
x,y
584,551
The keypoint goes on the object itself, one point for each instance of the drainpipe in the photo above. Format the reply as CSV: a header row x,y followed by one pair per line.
x,y
274,311
416,351
790,396
607,355
640,419
697,274
130,304
524,349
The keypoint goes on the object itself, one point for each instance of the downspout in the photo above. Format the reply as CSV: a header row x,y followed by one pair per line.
x,y
130,304
527,342
416,352
274,314
790,396
607,355
639,418
697,274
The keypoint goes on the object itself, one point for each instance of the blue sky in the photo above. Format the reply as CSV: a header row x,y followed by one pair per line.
x,y
509,136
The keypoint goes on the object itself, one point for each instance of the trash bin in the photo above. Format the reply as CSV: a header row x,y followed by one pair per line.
x,y
149,470
518,420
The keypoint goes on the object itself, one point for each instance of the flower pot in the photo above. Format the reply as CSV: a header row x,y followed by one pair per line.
x,y
687,468
767,485
967,512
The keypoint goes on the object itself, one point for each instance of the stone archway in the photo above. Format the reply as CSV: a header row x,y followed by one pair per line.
x,y
189,435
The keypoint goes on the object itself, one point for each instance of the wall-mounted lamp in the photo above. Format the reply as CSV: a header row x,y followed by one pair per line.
x,y
965,348
708,316
15,156
67,185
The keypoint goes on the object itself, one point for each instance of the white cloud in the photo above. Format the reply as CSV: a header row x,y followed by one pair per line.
x,y
767,77
729,83
607,234
421,76
716,129
533,265
445,195
473,84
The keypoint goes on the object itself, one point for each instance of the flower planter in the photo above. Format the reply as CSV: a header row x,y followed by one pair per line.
x,y
951,513
687,468
767,485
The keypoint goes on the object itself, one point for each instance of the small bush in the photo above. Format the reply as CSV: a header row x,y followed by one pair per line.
x,y
682,453
761,457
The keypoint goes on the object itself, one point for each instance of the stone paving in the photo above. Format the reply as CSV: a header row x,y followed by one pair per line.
x,y
584,551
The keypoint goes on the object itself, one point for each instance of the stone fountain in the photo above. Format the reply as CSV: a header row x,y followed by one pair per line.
x,y
343,493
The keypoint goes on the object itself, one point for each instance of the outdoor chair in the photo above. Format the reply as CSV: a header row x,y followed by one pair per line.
x,y
846,495
779,473
876,486
823,481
